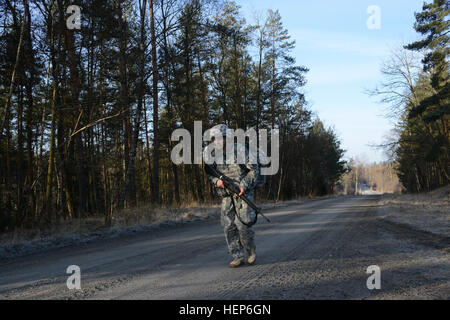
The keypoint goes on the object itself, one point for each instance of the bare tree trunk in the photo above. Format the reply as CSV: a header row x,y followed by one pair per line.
x,y
6,113
272,98
147,147
141,95
21,206
29,119
13,75
124,103
74,87
48,206
48,192
169,100
155,191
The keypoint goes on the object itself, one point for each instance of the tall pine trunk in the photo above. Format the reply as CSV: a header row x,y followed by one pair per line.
x,y
155,191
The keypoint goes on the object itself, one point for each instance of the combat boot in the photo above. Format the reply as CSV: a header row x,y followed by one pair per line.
x,y
252,257
236,262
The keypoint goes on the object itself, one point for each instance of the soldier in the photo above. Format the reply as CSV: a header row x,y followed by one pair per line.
x,y
236,216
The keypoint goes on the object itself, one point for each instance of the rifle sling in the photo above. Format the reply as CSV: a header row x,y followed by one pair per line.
x,y
238,216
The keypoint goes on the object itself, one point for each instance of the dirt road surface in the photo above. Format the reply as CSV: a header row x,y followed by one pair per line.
x,y
313,249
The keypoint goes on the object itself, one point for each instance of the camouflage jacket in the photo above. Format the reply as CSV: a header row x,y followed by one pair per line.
x,y
244,174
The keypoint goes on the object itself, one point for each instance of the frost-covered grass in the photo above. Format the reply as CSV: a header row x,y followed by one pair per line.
x,y
426,211
82,231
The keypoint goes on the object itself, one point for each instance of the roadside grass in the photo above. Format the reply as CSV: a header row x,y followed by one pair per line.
x,y
81,230
428,211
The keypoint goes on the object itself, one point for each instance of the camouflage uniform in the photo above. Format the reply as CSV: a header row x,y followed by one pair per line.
x,y
237,234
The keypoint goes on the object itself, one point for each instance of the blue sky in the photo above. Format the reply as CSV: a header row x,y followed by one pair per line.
x,y
344,57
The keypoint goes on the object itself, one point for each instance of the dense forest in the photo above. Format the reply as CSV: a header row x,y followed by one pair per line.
x,y
417,88
87,113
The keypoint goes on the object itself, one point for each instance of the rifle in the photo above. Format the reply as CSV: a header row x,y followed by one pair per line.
x,y
232,187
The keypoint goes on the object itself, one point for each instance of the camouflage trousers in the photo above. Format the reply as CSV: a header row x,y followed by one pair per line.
x,y
238,235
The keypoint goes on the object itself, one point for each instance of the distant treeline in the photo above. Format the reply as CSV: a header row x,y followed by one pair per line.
x,y
87,114
376,178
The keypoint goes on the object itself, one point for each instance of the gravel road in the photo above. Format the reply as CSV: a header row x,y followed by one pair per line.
x,y
313,249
